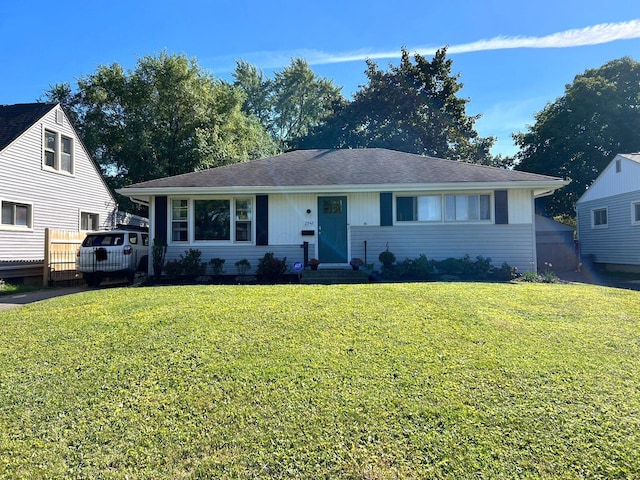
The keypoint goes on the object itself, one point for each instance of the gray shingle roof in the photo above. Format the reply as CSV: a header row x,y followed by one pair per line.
x,y
15,119
368,166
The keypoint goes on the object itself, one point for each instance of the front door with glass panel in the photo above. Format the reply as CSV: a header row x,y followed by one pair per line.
x,y
332,229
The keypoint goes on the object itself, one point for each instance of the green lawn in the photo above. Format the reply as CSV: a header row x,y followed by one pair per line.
x,y
380,381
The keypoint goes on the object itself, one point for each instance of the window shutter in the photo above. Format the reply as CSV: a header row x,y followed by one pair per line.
x,y
160,233
386,209
262,220
501,207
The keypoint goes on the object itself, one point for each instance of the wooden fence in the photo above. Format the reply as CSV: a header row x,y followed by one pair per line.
x,y
60,248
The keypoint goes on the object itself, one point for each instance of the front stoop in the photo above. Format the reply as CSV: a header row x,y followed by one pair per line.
x,y
333,276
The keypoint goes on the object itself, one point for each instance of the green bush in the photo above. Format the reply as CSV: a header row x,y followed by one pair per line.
x,y
189,265
387,258
217,265
480,269
243,266
271,268
450,266
419,269
506,272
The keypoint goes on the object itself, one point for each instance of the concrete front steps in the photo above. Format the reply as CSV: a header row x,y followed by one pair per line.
x,y
327,276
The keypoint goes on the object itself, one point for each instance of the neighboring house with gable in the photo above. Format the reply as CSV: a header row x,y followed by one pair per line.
x,y
347,203
609,216
47,180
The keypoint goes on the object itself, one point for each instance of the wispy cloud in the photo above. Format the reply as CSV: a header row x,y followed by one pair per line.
x,y
594,35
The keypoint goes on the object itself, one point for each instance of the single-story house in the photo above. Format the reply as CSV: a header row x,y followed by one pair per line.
x,y
609,216
348,203
47,180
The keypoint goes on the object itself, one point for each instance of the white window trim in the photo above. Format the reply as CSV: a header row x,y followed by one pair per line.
x,y
57,168
593,223
633,213
170,220
17,228
83,212
443,220
191,220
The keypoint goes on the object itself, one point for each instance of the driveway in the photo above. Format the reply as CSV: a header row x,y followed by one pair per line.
x,y
12,301
600,279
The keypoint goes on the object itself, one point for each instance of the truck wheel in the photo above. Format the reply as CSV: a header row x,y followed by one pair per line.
x,y
92,279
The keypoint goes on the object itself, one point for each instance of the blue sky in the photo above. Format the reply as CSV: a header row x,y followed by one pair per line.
x,y
512,56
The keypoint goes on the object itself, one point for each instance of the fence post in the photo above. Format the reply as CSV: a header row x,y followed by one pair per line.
x,y
46,262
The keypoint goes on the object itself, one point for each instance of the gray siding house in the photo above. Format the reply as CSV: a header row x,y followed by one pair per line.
x,y
47,180
345,204
609,216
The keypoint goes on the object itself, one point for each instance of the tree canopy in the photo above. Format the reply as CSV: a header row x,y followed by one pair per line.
x,y
412,107
577,135
289,105
165,117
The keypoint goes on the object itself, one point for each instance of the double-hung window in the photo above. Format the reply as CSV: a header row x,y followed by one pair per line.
x,y
89,221
635,213
18,215
180,220
599,218
57,152
244,217
424,208
460,208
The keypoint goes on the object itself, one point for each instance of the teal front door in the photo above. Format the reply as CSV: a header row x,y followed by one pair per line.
x,y
332,229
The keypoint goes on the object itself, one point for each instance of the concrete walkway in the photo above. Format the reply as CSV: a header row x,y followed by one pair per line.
x,y
13,301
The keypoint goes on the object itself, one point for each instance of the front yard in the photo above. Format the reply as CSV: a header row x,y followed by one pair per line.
x,y
378,381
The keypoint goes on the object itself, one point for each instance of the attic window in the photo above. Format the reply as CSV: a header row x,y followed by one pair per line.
x,y
618,166
57,152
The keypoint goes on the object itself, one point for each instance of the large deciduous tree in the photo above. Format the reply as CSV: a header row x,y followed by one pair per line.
x,y
412,107
577,135
165,117
289,105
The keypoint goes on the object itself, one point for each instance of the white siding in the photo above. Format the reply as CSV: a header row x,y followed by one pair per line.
x,y
520,206
619,242
57,198
611,182
288,217
232,253
514,244
364,209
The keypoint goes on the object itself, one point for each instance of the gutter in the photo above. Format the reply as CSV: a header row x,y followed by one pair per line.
x,y
545,188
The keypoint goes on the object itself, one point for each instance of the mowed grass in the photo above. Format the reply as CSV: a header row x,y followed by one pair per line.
x,y
380,381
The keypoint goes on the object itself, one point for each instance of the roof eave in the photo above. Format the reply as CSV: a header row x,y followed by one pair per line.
x,y
540,188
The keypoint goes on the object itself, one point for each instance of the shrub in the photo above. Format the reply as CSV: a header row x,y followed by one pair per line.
x,y
505,272
271,268
243,266
530,276
188,265
450,266
387,258
217,265
158,252
479,269
173,269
